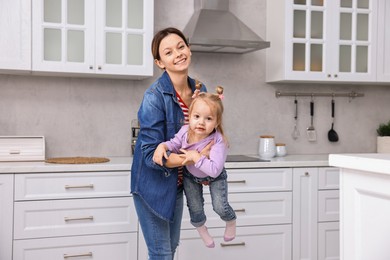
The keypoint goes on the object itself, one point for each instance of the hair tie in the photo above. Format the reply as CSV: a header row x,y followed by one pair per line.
x,y
196,93
221,96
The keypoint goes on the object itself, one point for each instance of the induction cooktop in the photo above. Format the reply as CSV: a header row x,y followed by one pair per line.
x,y
243,158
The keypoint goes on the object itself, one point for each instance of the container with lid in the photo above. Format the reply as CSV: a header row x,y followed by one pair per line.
x,y
281,149
267,148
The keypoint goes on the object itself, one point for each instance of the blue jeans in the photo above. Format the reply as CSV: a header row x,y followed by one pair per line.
x,y
161,237
193,189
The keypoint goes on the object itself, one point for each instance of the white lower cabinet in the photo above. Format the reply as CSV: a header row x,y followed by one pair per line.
x,y
316,214
6,215
262,200
74,215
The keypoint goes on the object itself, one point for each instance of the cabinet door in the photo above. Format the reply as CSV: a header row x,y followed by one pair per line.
x,y
124,31
328,241
383,65
15,40
355,44
256,242
63,35
305,213
6,215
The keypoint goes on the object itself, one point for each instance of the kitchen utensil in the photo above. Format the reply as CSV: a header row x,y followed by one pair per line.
x,y
311,132
332,134
295,134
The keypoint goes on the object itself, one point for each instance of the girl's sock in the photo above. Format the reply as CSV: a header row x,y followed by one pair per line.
x,y
230,230
204,234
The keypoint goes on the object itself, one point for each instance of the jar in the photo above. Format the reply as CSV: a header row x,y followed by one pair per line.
x,y
267,147
281,149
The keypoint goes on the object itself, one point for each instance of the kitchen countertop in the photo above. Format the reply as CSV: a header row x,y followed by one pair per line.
x,y
369,162
124,164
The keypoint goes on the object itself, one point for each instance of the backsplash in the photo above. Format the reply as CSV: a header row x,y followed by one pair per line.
x,y
92,117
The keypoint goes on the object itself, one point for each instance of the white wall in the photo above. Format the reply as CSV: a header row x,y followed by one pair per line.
x,y
91,117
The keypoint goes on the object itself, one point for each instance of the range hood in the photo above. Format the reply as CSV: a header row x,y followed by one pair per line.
x,y
213,28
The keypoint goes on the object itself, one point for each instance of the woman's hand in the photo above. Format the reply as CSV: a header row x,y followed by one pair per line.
x,y
189,156
159,153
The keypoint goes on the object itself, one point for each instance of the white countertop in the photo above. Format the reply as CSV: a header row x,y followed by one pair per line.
x,y
124,164
370,162
115,164
294,160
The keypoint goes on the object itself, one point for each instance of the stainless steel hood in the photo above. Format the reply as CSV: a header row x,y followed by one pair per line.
x,y
213,28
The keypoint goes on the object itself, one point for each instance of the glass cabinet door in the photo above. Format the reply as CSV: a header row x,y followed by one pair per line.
x,y
308,35
123,32
64,30
354,39
61,31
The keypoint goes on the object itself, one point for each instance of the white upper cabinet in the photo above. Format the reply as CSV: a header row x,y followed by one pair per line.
x,y
106,37
15,39
383,65
322,41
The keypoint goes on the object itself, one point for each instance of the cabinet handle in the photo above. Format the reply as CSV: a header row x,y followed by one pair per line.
x,y
99,67
335,75
90,67
329,75
239,210
239,181
233,244
89,186
80,218
307,174
77,255
14,152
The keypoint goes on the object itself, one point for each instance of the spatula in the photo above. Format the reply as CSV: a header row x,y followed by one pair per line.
x,y
311,132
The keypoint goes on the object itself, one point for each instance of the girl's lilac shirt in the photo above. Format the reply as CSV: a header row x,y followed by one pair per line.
x,y
205,167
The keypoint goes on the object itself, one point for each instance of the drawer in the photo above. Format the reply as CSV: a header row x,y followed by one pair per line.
x,y
36,219
328,205
99,247
262,208
22,148
71,185
328,178
252,180
265,242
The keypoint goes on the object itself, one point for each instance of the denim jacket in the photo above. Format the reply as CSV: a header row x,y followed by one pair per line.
x,y
160,117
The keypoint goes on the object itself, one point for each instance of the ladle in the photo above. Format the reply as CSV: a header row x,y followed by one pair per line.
x,y
332,134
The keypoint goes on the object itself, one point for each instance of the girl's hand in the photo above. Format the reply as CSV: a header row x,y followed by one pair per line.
x,y
159,153
190,157
206,151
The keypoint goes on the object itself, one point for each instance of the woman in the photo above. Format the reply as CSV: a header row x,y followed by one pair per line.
x,y
157,190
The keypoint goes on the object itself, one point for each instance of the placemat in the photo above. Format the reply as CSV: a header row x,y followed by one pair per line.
x,y
77,160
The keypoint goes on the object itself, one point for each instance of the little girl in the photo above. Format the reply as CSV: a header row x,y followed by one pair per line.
x,y
205,126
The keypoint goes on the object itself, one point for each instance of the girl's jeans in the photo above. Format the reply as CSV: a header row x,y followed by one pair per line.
x,y
193,189
161,236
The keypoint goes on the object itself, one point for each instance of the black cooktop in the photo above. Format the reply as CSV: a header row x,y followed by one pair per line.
x,y
243,158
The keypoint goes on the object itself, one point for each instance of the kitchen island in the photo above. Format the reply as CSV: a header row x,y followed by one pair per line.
x,y
364,205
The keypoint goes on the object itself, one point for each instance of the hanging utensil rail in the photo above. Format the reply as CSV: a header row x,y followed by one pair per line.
x,y
351,94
